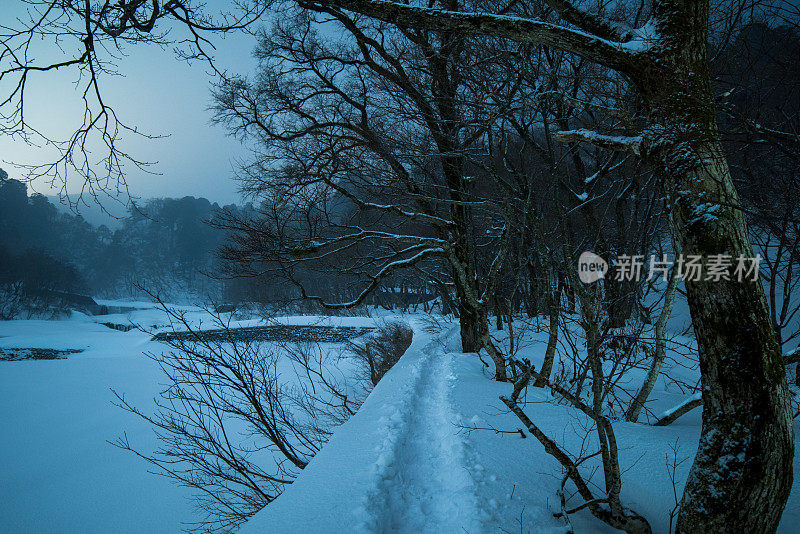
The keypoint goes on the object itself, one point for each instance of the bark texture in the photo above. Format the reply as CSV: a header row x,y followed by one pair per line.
x,y
554,306
742,473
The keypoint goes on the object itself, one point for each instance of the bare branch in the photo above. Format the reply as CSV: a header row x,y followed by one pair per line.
x,y
632,144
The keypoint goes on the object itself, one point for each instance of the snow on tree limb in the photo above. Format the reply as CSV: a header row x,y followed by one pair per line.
x,y
671,415
620,143
385,271
593,47
591,22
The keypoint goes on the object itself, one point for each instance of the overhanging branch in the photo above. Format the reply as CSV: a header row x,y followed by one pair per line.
x,y
620,143
612,54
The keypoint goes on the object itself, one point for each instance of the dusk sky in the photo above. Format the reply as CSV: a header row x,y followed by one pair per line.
x,y
161,95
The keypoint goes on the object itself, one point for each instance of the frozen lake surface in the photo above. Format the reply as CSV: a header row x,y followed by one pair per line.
x,y
59,471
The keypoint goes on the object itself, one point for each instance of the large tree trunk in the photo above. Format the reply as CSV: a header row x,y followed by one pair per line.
x,y
469,320
742,473
470,314
474,317
620,301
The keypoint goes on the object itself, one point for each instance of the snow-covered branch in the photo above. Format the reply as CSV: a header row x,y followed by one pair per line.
x,y
620,143
591,22
671,415
317,245
376,279
582,43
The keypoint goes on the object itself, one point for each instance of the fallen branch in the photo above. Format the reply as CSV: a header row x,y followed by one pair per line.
x,y
671,415
607,509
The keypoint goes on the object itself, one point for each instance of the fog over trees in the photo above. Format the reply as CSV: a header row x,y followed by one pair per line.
x,y
456,159
164,245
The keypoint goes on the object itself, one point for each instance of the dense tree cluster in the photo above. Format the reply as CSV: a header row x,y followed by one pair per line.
x,y
163,246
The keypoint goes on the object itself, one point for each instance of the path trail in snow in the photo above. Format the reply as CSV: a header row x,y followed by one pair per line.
x,y
424,483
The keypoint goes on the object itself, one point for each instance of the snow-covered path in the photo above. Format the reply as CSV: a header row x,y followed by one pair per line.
x,y
402,463
425,483
419,456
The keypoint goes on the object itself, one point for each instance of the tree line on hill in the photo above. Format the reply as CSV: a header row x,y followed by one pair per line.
x,y
164,246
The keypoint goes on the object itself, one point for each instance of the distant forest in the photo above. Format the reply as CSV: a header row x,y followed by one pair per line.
x,y
165,245
187,250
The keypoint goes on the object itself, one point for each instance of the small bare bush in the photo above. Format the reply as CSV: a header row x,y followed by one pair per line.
x,y
238,420
378,352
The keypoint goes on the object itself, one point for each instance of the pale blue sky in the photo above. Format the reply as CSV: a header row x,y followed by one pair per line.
x,y
159,94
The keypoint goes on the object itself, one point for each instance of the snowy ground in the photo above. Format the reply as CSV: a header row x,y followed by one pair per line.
x,y
58,473
417,457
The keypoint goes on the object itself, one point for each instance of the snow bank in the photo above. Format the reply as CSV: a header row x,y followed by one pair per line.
x,y
339,489
433,449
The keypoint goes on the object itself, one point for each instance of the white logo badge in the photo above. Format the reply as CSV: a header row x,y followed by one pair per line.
x,y
591,267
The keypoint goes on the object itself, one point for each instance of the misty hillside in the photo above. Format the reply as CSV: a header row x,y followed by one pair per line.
x,y
161,246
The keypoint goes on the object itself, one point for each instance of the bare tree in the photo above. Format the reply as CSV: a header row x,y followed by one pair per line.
x,y
608,507
87,37
238,420
377,126
659,353
380,351
746,396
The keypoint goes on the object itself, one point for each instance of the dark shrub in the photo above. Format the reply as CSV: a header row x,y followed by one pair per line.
x,y
379,351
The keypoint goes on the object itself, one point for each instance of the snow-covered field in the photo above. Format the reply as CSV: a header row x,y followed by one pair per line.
x,y
58,473
419,456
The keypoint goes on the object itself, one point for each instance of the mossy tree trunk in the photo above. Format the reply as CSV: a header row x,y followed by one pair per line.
x,y
742,473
